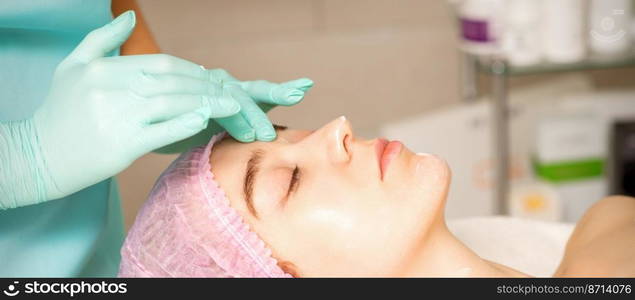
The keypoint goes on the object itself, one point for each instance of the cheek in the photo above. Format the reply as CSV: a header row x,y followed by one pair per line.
x,y
338,234
340,207
316,238
329,215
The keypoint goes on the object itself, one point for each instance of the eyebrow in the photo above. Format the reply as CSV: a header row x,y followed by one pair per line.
x,y
252,170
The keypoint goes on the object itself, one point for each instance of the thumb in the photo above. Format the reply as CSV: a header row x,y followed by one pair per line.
x,y
103,40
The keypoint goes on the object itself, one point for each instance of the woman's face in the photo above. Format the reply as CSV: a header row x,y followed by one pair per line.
x,y
332,204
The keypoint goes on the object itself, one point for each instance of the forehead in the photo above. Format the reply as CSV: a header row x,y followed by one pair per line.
x,y
230,150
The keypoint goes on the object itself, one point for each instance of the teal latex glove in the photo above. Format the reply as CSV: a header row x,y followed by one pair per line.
x,y
102,113
256,98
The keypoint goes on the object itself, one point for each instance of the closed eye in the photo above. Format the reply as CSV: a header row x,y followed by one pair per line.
x,y
294,182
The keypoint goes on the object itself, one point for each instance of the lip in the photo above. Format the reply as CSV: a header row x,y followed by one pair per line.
x,y
386,152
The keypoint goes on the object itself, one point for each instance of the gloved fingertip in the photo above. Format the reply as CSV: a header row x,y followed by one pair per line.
x,y
294,96
306,82
248,136
303,84
129,18
267,138
266,134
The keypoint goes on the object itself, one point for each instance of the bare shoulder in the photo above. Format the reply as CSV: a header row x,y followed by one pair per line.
x,y
602,242
606,215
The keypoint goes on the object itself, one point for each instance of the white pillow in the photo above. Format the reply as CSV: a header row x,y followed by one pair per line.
x,y
532,247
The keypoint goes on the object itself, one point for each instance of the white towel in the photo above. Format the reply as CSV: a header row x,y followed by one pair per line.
x,y
532,247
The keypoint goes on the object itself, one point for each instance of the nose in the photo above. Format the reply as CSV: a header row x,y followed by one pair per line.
x,y
335,140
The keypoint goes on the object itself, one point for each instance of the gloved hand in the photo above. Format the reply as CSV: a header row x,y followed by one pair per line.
x,y
102,113
256,98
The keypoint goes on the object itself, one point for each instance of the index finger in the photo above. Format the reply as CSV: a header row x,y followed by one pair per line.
x,y
287,93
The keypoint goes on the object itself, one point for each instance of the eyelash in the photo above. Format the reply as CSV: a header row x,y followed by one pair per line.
x,y
295,179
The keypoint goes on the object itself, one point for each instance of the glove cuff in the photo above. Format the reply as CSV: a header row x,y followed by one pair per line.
x,y
22,180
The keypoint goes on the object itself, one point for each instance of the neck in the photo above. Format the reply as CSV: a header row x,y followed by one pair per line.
x,y
441,254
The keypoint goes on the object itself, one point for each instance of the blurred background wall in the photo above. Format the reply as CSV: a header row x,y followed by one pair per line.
x,y
375,61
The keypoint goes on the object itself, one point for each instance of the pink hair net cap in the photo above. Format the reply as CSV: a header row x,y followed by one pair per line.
x,y
187,228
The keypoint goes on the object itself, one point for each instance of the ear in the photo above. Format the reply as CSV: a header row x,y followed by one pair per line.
x,y
289,268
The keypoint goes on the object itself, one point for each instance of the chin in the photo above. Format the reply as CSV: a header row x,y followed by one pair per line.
x,y
434,166
431,177
429,169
